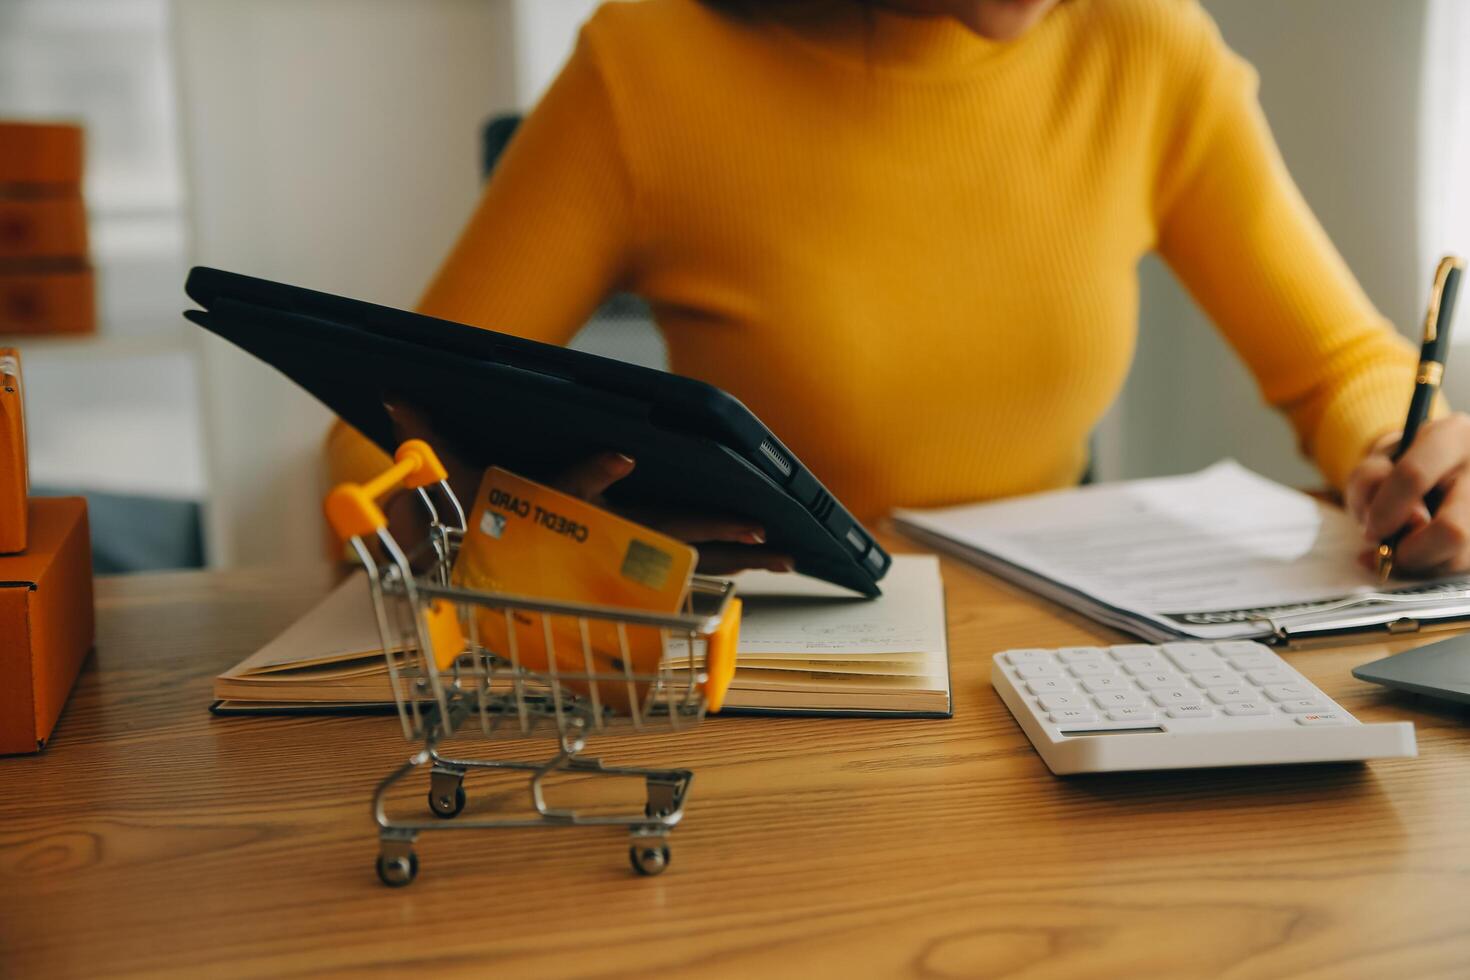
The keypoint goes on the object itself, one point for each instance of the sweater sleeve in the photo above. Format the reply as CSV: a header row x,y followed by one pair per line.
x,y
1236,231
552,234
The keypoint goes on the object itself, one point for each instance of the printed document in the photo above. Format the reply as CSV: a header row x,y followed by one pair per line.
x,y
1217,554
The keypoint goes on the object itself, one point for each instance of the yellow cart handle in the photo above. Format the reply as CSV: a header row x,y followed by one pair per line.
x,y
719,657
352,508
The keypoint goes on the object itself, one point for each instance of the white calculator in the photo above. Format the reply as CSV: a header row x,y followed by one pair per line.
x,y
1180,706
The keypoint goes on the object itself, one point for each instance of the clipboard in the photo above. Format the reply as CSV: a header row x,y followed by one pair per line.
x,y
1214,556
1364,617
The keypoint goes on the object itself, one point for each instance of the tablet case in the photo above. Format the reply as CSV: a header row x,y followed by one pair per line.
x,y
535,408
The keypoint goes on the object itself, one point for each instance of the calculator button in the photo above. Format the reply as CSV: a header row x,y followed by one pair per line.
x,y
1252,661
1071,715
1288,692
1131,714
1063,702
1270,675
1089,668
1133,651
1145,665
1118,699
1216,678
1152,682
1026,656
1191,711
1227,695
1176,695
1305,706
1070,655
1247,708
1322,718
1050,685
1232,648
1113,683
1194,660
1029,671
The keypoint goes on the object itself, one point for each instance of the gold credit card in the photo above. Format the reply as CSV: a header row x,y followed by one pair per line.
x,y
528,539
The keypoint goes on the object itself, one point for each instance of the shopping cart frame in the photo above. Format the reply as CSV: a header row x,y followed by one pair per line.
x,y
437,698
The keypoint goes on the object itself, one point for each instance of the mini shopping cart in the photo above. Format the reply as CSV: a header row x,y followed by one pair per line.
x,y
446,682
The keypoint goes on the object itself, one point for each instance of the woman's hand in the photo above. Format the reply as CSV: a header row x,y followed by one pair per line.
x,y
725,545
1385,496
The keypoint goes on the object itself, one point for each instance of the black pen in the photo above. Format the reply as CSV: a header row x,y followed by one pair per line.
x,y
1432,354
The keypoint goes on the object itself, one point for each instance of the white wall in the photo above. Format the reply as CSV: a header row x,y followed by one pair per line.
x,y
1340,86
332,144
545,32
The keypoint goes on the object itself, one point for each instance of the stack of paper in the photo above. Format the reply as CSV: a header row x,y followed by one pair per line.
x,y
806,645
332,656
1218,554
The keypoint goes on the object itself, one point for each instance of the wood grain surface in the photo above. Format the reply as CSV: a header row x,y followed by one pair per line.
x,y
152,839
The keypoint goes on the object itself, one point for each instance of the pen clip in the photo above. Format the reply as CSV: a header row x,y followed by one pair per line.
x,y
1436,293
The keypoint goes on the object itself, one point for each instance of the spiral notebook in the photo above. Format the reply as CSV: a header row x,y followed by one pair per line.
x,y
1220,554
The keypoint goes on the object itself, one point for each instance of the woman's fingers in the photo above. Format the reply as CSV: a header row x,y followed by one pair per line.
x,y
696,529
410,422
1439,453
725,559
725,544
1363,485
592,476
1440,542
586,479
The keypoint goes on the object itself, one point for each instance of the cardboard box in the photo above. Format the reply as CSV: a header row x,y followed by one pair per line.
x,y
41,153
42,227
14,482
46,625
47,302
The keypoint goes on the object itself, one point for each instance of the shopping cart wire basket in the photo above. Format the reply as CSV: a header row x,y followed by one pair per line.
x,y
446,682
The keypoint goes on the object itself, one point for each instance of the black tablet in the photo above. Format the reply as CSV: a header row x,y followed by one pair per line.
x,y
1438,670
535,408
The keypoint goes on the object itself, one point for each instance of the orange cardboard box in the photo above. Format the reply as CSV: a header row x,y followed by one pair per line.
x,y
46,625
36,302
14,485
42,227
41,153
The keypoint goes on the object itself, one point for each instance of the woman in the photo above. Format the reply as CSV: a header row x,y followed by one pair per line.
x,y
906,235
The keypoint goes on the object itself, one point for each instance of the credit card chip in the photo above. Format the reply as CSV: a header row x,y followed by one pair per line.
x,y
646,564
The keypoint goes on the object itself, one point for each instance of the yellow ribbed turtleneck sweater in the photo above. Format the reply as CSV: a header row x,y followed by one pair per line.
x,y
911,251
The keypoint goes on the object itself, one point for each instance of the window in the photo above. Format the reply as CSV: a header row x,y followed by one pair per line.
x,y
1444,164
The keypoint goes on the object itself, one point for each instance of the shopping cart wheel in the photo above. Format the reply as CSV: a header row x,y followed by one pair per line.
x,y
649,860
446,792
662,797
444,805
395,872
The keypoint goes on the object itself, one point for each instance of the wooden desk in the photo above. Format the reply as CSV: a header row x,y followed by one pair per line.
x,y
153,839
